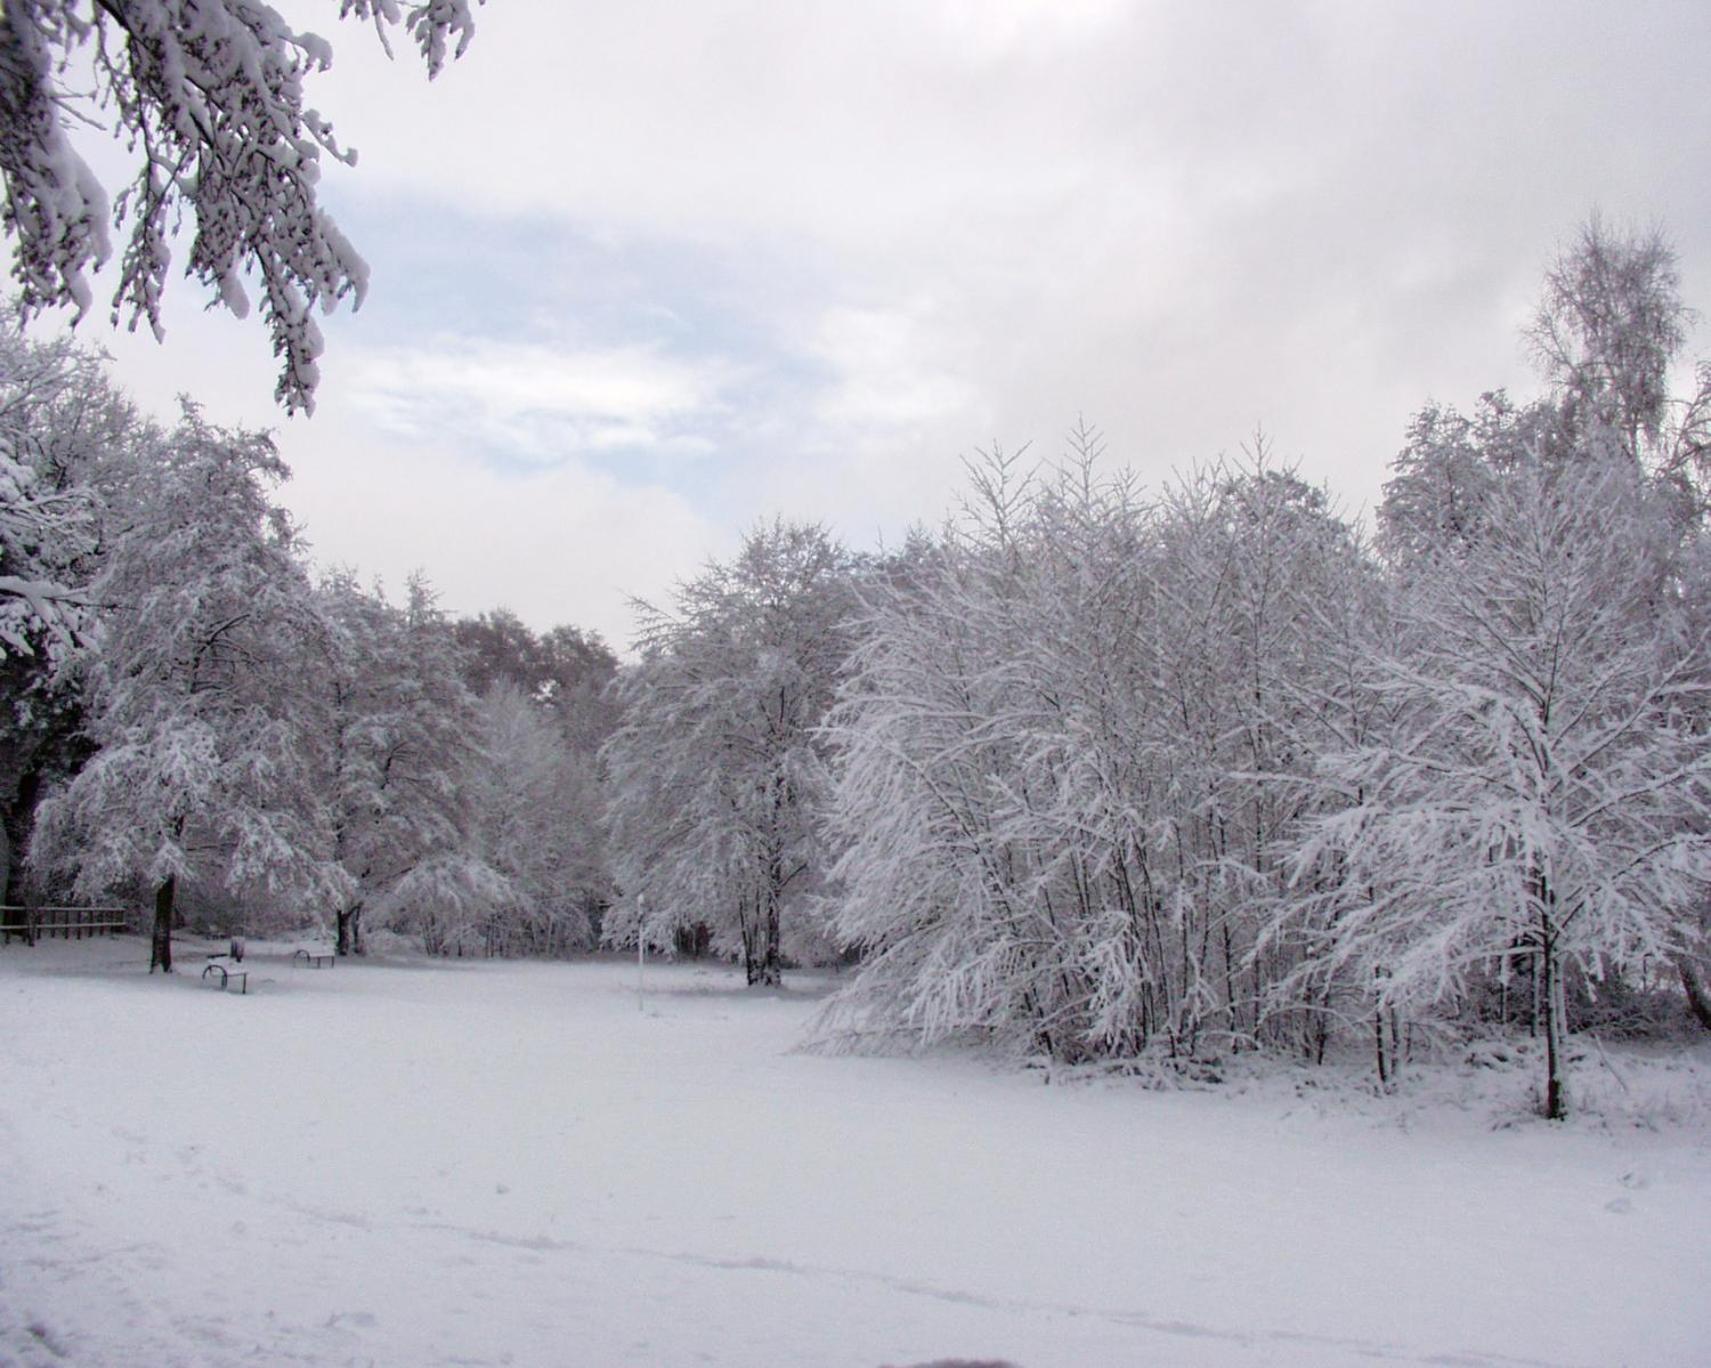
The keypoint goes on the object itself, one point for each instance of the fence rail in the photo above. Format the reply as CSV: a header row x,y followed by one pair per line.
x,y
68,923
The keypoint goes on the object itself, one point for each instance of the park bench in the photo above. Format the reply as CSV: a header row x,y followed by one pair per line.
x,y
315,956
223,972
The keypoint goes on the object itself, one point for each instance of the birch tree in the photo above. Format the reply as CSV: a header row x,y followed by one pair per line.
x,y
1610,322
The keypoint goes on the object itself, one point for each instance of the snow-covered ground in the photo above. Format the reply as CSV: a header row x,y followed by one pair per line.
x,y
501,1163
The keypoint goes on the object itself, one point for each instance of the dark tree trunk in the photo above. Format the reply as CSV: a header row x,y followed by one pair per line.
x,y
692,942
160,946
1378,1047
768,973
349,931
1691,984
1233,1019
760,960
1556,1103
1550,1004
20,818
761,949
750,917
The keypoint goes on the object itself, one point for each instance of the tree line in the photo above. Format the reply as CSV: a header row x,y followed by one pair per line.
x,y
1099,772
199,722
1088,770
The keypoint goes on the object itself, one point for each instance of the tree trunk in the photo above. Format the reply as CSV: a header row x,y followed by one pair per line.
x,y
20,817
1230,987
760,949
348,921
1697,1000
746,924
1378,1047
767,973
160,946
1556,1101
1548,995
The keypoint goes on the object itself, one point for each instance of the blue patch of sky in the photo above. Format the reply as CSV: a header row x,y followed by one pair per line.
x,y
442,273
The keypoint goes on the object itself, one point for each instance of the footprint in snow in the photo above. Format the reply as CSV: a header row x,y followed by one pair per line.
x,y
357,1320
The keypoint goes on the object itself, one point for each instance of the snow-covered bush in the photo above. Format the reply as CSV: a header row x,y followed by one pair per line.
x,y
1070,748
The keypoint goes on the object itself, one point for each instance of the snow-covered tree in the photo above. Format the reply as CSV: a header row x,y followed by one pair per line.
x,y
62,429
210,96
1061,752
1440,480
1609,331
197,692
1608,326
64,434
717,773
397,739
536,799
944,808
566,670
41,531
1545,798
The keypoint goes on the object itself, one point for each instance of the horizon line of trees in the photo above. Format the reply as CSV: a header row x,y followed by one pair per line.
x,y
1090,770
201,724
1096,772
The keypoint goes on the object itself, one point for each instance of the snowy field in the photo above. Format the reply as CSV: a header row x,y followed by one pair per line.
x,y
501,1163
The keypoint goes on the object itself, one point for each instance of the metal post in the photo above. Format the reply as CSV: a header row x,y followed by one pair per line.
x,y
641,950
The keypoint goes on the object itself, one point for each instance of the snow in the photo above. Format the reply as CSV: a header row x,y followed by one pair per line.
x,y
422,1162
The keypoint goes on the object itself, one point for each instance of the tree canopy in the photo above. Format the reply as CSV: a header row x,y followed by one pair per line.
x,y
211,97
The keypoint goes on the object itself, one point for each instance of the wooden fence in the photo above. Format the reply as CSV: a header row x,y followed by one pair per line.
x,y
68,923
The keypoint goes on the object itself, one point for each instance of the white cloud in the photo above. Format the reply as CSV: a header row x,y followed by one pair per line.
x,y
798,257
887,372
559,544
538,402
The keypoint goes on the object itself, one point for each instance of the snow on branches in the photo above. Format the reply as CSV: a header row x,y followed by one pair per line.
x,y
1068,752
211,95
1544,793
36,525
395,738
717,772
60,423
198,694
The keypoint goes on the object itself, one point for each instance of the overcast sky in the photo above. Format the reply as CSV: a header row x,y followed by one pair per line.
x,y
646,272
